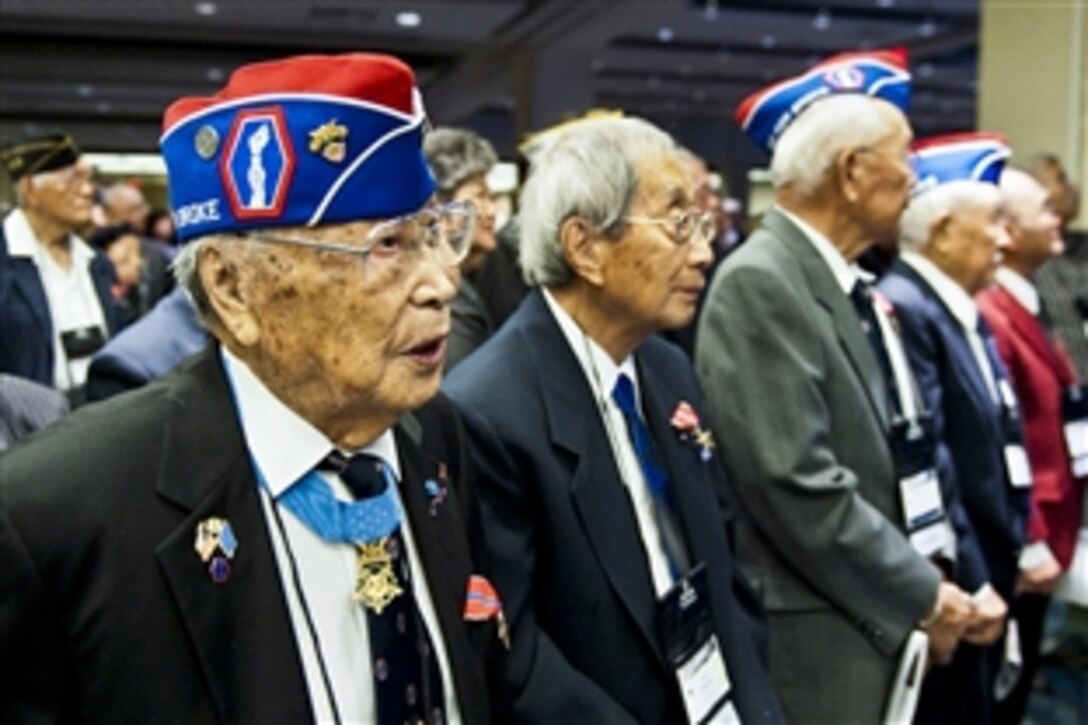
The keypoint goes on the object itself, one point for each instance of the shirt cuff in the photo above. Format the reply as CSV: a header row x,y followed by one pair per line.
x,y
1034,555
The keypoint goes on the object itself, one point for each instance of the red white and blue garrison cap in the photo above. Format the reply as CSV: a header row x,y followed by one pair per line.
x,y
303,141
766,114
977,156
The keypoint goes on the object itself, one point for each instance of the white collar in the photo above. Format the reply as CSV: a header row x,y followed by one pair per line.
x,y
845,273
951,293
1021,289
22,242
284,445
598,366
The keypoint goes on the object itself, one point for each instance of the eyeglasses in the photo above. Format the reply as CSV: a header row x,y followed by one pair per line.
x,y
691,225
69,179
446,230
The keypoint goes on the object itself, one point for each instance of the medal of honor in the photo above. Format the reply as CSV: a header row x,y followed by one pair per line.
x,y
375,584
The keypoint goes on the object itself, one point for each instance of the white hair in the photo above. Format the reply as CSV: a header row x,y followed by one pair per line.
x,y
590,172
944,200
1017,188
809,146
186,271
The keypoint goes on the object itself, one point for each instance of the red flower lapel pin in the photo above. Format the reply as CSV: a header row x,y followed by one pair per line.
x,y
685,420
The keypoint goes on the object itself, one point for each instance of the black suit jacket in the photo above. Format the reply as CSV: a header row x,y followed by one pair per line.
x,y
565,542
26,327
966,421
107,614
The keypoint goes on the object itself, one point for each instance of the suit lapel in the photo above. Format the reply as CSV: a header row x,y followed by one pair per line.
x,y
25,279
438,532
844,318
241,629
960,350
684,468
102,275
1030,330
600,498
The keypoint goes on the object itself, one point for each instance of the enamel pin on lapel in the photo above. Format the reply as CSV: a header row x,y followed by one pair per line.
x,y
686,421
436,490
482,603
215,545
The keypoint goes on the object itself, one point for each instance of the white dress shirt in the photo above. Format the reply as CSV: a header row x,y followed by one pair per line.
x,y
845,273
1021,289
601,373
963,309
73,302
284,447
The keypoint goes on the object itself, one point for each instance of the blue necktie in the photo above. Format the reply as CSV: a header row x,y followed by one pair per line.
x,y
664,510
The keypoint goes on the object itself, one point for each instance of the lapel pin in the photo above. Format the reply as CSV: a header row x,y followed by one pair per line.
x,y
482,603
686,421
215,545
436,490
330,141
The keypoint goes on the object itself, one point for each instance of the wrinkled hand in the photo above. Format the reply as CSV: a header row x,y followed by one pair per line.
x,y
988,621
947,622
1042,579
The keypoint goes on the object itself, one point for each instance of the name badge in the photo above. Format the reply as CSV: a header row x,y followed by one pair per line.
x,y
1075,415
694,652
914,449
1017,466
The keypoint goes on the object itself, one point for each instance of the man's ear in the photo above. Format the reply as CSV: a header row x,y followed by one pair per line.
x,y
27,192
942,234
582,250
221,276
849,174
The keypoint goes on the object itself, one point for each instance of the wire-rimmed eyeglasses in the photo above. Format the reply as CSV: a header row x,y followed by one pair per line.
x,y
445,229
691,225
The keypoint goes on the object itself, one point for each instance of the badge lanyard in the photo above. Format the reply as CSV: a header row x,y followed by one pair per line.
x,y
300,593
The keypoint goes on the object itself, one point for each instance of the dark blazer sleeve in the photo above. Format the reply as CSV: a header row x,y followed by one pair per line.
x,y
537,670
919,342
110,375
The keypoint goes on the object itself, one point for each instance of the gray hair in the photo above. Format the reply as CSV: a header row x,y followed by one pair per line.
x,y
808,148
590,172
929,207
456,155
186,271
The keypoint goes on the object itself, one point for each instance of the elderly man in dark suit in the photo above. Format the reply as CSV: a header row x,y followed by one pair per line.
x,y
56,308
950,235
270,534
801,404
597,478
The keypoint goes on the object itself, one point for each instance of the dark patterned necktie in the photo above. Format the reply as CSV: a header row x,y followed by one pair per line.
x,y
861,295
407,681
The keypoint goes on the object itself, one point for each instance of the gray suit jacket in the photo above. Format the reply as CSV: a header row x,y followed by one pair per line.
x,y
800,409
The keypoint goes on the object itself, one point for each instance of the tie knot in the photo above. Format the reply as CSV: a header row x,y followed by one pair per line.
x,y
624,394
861,292
363,473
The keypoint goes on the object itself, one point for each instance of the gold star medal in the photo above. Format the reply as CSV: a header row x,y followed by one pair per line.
x,y
375,584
